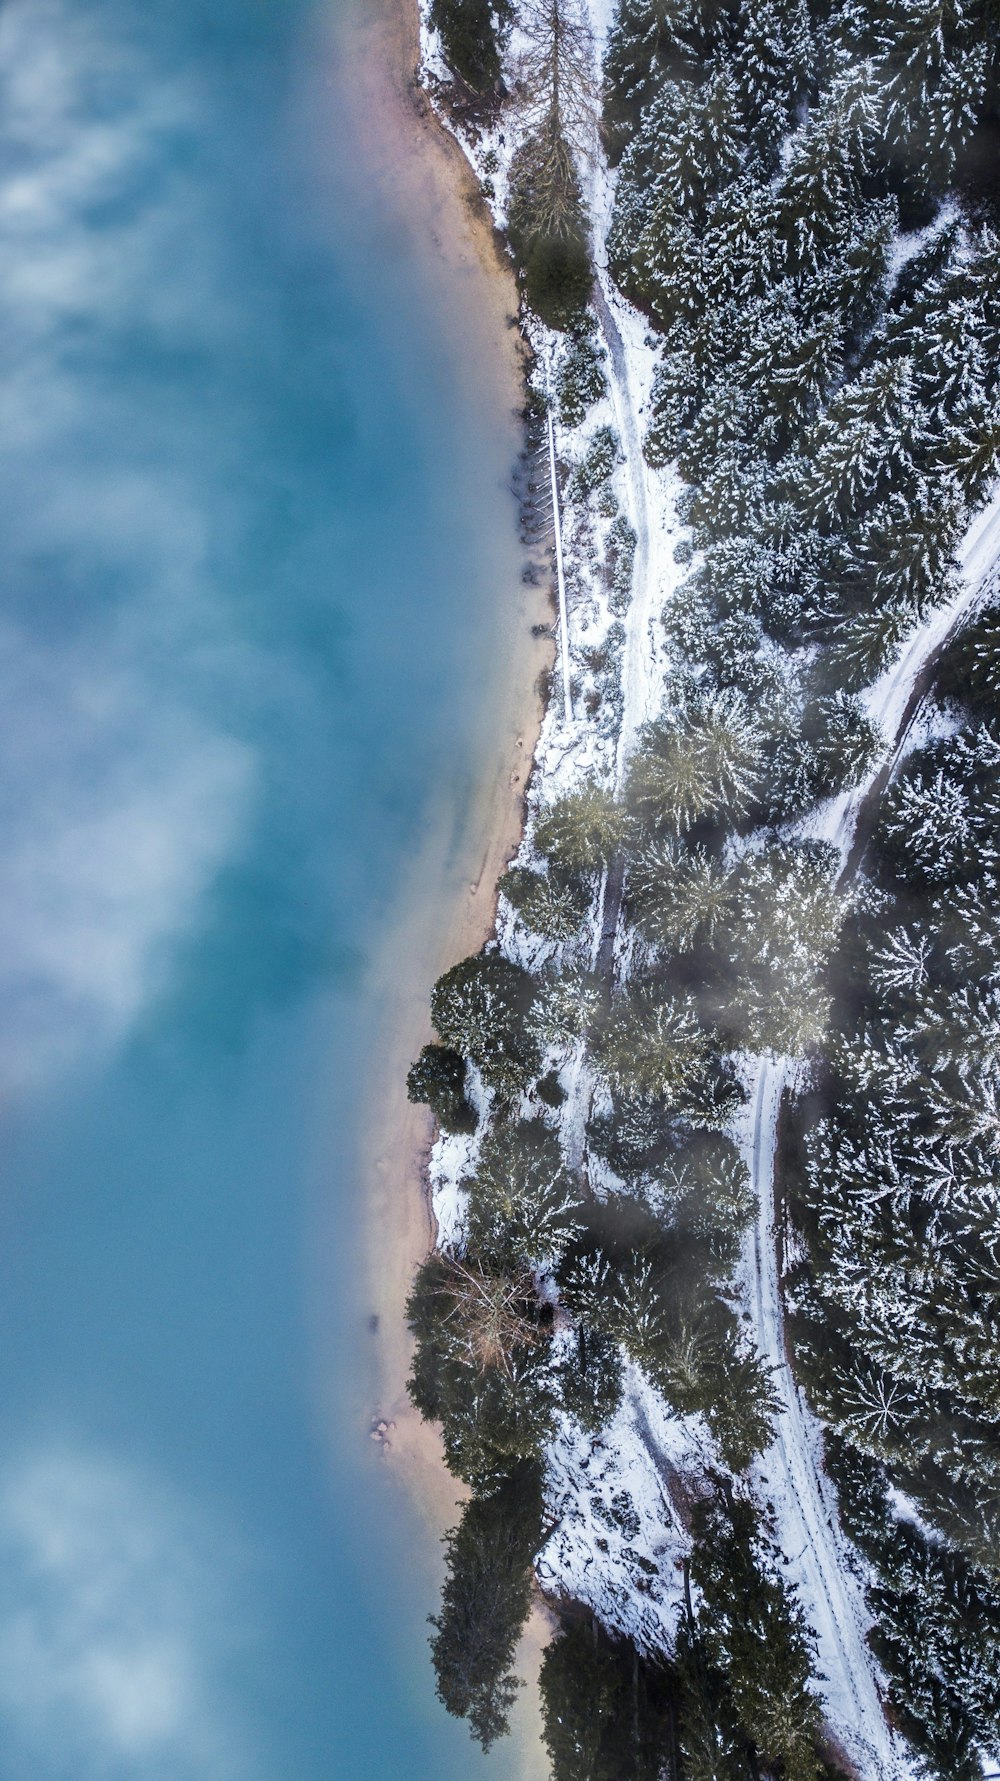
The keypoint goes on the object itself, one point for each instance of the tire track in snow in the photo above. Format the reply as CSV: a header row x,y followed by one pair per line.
x,y
831,1596
831,1591
822,1570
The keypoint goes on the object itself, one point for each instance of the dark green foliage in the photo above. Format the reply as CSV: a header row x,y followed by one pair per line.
x,y
705,1189
659,1303
438,1077
636,1137
480,1364
970,668
596,466
557,277
469,39
590,1379
608,1713
547,227
713,1744
581,379
551,903
843,739
753,1634
939,1636
683,895
480,1008
485,1602
550,1090
654,1049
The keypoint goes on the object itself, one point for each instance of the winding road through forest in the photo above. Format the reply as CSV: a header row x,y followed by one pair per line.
x,y
791,1473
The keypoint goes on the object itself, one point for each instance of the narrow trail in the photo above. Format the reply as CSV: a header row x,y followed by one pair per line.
x,y
613,886
790,1473
642,608
791,1469
643,604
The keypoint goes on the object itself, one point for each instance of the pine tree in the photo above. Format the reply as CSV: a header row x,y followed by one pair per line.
x,y
789,916
829,157
682,895
904,554
524,1206
485,1603
608,1711
859,447
653,1049
773,68
934,79
928,828
566,1008
970,451
438,1078
754,1634
794,365
703,757
548,903
581,831
480,1009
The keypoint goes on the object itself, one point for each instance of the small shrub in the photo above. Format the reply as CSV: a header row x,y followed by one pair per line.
x,y
620,561
581,381
597,465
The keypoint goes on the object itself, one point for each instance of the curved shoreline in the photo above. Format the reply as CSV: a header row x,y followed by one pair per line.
x,y
446,907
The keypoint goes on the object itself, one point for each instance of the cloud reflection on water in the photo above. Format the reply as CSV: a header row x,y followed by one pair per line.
x,y
112,1625
121,796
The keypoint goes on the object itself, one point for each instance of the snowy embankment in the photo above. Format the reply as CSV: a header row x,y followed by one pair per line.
x,y
619,1540
618,1500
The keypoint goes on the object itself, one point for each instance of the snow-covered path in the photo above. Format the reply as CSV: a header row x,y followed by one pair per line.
x,y
790,1476
643,605
790,1473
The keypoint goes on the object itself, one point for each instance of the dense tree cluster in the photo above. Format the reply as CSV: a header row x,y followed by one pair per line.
x,y
485,1601
734,1704
745,1659
836,418
897,1173
803,213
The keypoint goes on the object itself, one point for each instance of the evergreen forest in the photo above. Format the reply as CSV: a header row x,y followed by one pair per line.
x,y
791,861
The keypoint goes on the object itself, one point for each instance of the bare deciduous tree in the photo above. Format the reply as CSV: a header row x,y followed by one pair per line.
x,y
556,82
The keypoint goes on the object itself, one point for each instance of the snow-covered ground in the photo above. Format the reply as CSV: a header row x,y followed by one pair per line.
x,y
617,1500
819,1562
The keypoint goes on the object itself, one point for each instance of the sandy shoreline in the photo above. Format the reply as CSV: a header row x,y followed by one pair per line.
x,y
447,899
447,902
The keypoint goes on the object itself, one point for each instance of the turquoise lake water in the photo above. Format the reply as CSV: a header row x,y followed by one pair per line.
x,y
255,527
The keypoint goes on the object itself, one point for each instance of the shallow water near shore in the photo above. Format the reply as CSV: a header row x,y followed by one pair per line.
x,y
259,570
